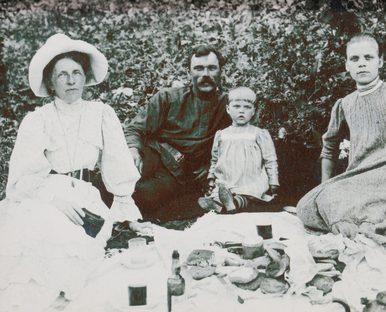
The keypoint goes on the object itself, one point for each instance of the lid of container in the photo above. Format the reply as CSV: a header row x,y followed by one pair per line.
x,y
252,240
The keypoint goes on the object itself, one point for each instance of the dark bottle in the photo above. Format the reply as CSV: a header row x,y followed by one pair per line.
x,y
176,283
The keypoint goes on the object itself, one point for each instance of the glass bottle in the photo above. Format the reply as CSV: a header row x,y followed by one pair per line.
x,y
176,283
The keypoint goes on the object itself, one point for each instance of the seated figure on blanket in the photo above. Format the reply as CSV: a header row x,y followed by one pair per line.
x,y
54,224
171,138
244,163
354,201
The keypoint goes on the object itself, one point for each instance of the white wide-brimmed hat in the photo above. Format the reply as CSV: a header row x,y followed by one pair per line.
x,y
58,44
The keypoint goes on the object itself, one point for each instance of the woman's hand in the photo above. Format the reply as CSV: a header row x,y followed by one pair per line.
x,y
347,229
327,169
144,227
70,209
374,231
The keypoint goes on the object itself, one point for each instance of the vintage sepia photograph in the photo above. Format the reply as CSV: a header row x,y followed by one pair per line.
x,y
192,155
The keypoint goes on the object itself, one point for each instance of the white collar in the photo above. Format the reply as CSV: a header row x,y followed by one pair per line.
x,y
62,105
371,87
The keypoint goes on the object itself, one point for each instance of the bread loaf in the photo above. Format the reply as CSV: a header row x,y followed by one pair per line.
x,y
243,275
202,272
201,257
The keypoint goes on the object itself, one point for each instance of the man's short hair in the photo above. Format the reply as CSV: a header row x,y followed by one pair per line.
x,y
203,50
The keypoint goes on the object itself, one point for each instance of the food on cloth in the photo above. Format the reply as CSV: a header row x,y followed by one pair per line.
x,y
377,305
275,255
201,257
273,286
330,273
277,268
328,254
252,285
243,275
276,245
323,283
278,265
381,297
199,272
234,262
259,263
325,266
327,261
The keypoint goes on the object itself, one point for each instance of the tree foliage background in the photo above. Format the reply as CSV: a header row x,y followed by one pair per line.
x,y
290,52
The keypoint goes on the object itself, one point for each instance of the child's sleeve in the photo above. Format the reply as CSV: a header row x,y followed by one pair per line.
x,y
333,136
214,159
269,156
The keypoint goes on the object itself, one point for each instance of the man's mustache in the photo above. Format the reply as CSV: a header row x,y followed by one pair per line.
x,y
207,80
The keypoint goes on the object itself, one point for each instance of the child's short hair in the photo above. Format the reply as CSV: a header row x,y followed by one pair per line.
x,y
363,36
242,94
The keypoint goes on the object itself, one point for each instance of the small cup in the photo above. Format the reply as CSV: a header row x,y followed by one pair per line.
x,y
264,226
252,247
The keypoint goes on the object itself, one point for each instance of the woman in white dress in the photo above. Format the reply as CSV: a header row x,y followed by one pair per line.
x,y
47,244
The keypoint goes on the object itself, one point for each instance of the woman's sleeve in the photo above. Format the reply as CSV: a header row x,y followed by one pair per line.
x,y
332,138
214,159
117,166
269,156
28,166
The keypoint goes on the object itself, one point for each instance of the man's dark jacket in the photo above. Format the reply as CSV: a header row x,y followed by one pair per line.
x,y
180,126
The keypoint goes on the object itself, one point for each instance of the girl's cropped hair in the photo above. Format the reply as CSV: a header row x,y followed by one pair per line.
x,y
358,37
244,94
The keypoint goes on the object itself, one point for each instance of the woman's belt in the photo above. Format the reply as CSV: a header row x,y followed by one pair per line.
x,y
81,174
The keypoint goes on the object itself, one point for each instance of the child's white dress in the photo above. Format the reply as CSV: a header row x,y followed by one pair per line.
x,y
244,161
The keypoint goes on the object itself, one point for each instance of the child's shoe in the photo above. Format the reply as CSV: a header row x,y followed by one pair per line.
x,y
227,199
209,204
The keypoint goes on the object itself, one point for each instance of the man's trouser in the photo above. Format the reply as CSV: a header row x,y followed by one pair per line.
x,y
160,197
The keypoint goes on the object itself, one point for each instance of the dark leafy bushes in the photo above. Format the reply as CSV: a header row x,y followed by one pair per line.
x,y
294,60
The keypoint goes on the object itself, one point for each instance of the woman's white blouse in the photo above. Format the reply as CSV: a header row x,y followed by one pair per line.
x,y
67,137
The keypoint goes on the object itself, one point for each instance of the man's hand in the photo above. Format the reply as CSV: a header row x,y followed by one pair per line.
x,y
144,227
201,174
138,162
70,209
274,189
209,186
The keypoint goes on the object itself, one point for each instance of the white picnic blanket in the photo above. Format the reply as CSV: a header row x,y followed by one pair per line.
x,y
363,276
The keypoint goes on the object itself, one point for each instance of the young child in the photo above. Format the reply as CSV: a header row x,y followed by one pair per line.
x,y
244,163
354,201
